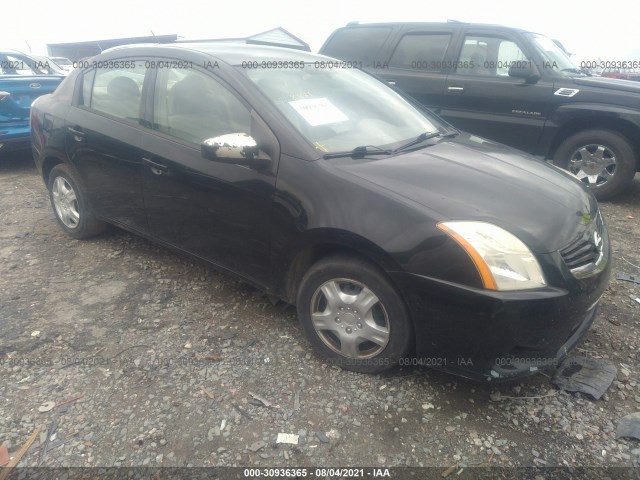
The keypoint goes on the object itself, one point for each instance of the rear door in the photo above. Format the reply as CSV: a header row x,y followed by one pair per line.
x,y
481,98
419,62
104,139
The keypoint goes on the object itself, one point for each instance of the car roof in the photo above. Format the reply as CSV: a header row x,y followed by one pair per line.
x,y
232,53
452,23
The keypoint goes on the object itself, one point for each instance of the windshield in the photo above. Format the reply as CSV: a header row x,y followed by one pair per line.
x,y
18,64
62,61
553,56
341,109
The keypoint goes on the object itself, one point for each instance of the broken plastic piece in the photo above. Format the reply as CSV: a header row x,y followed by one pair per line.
x,y
46,407
587,375
290,438
257,446
4,455
628,278
629,426
261,400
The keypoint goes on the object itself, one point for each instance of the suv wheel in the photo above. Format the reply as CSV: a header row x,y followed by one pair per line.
x,y
70,204
602,159
353,316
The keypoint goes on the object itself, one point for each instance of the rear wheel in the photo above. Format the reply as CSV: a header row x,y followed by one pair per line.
x,y
70,204
602,159
353,316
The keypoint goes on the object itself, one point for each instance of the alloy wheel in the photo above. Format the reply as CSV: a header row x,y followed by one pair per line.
x,y
594,164
65,202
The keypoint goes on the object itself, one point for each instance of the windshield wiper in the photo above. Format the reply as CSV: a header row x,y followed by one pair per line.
x,y
359,152
576,71
422,137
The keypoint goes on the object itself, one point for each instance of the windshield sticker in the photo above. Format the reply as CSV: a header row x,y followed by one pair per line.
x,y
318,111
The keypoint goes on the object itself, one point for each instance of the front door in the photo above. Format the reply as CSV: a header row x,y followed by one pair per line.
x,y
481,98
218,211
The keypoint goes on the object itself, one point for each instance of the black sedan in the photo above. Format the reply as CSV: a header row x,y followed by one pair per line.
x,y
400,239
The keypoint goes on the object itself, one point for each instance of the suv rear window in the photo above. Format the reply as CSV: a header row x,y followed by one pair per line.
x,y
357,44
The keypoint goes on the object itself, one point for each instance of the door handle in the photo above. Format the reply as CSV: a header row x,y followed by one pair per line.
x,y
391,82
78,135
455,89
156,168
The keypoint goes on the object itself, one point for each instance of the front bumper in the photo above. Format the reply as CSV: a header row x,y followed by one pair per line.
x,y
497,336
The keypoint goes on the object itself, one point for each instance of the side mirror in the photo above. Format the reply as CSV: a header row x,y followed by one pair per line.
x,y
238,148
524,70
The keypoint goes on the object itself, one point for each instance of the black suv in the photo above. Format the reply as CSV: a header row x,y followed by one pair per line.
x,y
509,85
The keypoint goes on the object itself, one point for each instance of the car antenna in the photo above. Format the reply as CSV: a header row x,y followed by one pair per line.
x,y
154,36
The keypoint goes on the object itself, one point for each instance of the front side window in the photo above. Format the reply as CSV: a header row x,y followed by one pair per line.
x,y
193,106
421,51
116,91
488,56
338,110
553,56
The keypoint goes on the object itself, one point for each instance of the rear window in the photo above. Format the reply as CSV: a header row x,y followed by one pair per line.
x,y
357,44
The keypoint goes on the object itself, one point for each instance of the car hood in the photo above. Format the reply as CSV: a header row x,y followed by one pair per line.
x,y
469,178
609,83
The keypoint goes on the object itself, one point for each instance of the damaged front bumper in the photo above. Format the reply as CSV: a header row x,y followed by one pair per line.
x,y
497,336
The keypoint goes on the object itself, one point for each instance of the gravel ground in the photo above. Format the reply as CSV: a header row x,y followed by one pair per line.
x,y
164,362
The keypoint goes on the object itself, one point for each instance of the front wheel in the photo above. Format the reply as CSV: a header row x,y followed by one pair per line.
x,y
353,316
70,204
602,159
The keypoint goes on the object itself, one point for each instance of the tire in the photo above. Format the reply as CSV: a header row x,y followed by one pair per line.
x,y
366,307
610,161
70,204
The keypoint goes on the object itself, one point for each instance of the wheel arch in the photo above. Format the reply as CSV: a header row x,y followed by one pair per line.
x,y
47,165
629,130
324,245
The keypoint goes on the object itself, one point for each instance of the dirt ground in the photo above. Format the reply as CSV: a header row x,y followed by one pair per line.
x,y
151,359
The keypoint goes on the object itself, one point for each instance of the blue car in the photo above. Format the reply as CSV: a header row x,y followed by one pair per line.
x,y
22,80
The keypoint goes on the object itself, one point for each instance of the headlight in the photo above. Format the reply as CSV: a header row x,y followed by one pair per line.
x,y
502,260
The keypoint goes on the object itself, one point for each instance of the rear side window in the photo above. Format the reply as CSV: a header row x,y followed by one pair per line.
x,y
357,44
424,51
117,89
87,86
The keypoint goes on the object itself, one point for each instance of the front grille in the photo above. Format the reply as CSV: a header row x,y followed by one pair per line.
x,y
579,253
586,251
